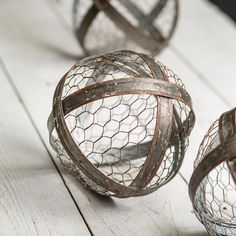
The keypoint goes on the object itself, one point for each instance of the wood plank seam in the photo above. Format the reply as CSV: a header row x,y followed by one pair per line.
x,y
105,216
17,93
199,74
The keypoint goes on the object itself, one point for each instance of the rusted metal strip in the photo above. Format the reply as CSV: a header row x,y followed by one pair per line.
x,y
74,152
161,135
124,86
224,152
145,35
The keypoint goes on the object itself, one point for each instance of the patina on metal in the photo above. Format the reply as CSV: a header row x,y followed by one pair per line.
x,y
212,187
120,123
138,26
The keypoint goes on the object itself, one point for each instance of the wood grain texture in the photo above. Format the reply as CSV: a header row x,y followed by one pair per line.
x,y
40,48
37,52
165,212
33,197
205,39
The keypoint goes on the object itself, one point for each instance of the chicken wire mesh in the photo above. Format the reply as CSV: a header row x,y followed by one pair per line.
x,y
107,25
120,123
213,184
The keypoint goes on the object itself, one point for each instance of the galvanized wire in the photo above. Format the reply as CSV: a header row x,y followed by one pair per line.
x,y
213,184
127,116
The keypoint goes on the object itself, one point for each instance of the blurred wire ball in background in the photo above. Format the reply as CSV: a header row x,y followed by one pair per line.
x,y
213,184
120,123
107,25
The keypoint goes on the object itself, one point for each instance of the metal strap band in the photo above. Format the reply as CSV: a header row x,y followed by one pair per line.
x,y
153,41
122,87
228,132
75,154
226,151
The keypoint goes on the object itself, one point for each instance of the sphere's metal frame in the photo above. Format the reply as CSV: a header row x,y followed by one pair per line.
x,y
154,41
224,152
158,86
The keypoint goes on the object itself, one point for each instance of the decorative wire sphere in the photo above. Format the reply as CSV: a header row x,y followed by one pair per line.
x,y
212,187
105,25
120,123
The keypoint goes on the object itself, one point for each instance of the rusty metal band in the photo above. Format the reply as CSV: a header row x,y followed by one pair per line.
x,y
153,42
173,124
157,152
122,87
225,151
83,97
162,132
182,132
146,21
213,159
148,42
227,128
169,90
75,154
85,24
229,132
232,167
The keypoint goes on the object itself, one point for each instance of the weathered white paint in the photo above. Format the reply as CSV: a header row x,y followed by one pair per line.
x,y
37,48
33,197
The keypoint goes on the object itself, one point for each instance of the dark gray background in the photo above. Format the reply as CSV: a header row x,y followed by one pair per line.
x,y
227,6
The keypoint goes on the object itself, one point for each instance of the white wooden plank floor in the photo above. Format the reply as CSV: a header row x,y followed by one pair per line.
x,y
36,196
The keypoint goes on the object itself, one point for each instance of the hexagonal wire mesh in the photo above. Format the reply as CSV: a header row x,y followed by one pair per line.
x,y
127,115
104,25
213,184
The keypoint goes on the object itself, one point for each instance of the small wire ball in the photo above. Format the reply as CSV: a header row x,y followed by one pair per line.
x,y
105,25
212,187
120,123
